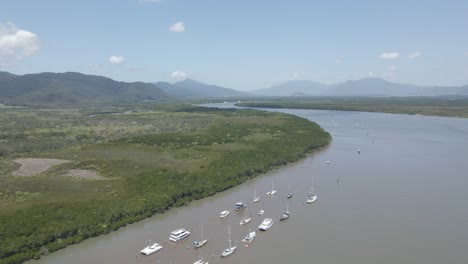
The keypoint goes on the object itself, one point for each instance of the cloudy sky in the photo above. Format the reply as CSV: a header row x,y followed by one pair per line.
x,y
242,44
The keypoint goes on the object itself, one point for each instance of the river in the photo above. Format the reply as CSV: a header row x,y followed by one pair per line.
x,y
402,199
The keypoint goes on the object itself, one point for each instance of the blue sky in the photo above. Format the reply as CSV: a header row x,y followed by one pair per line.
x,y
242,44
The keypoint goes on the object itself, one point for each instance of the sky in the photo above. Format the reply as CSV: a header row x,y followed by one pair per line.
x,y
242,44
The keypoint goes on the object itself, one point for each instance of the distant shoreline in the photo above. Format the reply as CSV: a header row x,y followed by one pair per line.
x,y
445,107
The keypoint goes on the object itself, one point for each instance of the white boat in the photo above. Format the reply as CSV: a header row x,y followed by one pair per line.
x,y
285,215
290,194
250,237
231,249
224,214
240,206
261,212
256,198
266,224
178,235
246,220
201,243
273,191
311,197
200,262
151,248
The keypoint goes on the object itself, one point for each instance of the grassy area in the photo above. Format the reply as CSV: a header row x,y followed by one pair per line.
x,y
437,106
152,161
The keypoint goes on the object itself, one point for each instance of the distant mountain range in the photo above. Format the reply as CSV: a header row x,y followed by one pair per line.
x,y
191,89
72,87
363,87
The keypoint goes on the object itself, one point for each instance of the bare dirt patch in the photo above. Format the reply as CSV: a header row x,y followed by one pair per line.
x,y
84,174
35,166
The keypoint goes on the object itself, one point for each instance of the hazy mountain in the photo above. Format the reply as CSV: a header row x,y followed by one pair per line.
x,y
372,87
293,88
362,87
203,90
72,87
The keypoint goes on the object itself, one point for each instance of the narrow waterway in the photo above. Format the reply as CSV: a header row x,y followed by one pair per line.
x,y
402,199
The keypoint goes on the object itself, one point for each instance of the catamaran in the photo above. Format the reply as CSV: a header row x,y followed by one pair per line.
x,y
178,235
231,249
201,243
151,248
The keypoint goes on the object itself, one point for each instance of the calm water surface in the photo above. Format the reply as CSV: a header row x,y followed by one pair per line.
x,y
403,199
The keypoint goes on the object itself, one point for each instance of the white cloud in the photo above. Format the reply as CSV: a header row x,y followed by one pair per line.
x,y
178,75
177,27
415,55
337,61
116,60
370,74
389,55
16,44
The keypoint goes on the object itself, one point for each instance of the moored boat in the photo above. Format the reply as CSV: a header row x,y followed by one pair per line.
x,y
178,235
152,248
250,237
266,224
224,214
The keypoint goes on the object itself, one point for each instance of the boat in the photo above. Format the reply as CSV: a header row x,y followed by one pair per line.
x,y
250,237
201,261
231,249
285,215
240,206
256,198
311,197
178,235
246,220
289,195
266,224
224,214
201,243
273,191
262,211
151,248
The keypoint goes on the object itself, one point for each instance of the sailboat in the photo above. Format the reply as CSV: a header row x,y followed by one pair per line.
x,y
285,215
256,198
262,211
231,249
273,191
201,243
289,195
201,261
311,197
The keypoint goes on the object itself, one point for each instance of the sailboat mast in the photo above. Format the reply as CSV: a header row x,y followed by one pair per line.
x,y
229,234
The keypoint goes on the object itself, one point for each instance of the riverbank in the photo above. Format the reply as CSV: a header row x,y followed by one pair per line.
x,y
196,153
435,106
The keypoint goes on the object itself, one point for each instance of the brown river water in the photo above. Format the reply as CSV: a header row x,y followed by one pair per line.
x,y
403,199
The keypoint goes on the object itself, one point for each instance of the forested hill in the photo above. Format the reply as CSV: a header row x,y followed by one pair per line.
x,y
72,87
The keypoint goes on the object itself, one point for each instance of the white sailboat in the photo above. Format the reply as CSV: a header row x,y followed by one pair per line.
x,y
201,261
312,197
201,243
256,198
231,249
273,191
262,211
290,194
285,215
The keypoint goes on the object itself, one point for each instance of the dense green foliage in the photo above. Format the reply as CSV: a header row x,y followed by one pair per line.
x,y
195,153
438,106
